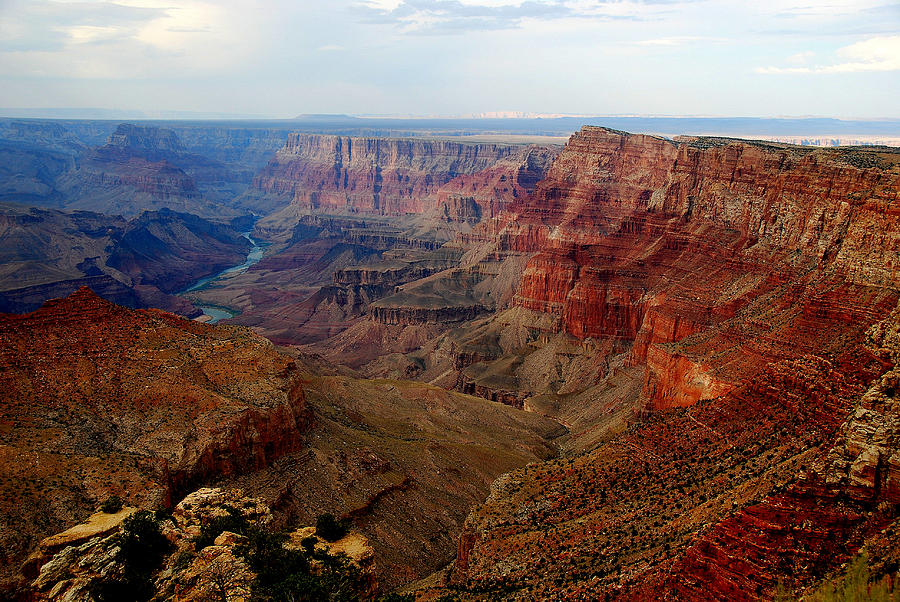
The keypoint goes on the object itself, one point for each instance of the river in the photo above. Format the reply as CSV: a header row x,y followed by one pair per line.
x,y
214,312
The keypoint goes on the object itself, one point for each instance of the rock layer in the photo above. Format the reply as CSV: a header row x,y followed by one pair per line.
x,y
392,176
740,279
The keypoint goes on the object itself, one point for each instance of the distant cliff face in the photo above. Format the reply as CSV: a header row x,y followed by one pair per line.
x,y
145,139
391,176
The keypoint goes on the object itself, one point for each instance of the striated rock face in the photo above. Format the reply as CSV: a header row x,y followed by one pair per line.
x,y
391,176
137,156
424,315
149,140
654,242
736,280
100,400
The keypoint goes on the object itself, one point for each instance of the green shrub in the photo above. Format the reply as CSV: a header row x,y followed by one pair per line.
x,y
287,573
856,583
141,549
331,529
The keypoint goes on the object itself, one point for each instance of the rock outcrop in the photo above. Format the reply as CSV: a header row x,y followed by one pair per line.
x,y
76,567
101,400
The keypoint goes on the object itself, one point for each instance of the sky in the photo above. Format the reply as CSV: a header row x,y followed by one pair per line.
x,y
282,58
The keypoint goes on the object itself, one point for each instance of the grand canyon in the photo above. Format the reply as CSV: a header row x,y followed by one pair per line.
x,y
608,366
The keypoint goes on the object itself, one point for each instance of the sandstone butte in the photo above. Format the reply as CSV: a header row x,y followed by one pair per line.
x,y
754,289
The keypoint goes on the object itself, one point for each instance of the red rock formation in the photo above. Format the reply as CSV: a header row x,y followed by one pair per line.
x,y
745,275
391,176
651,241
143,404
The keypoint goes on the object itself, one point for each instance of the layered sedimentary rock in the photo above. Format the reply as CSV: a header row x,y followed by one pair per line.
x,y
661,243
327,273
98,400
391,176
734,279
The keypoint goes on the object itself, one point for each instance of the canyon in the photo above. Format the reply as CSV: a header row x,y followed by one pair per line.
x,y
677,354
47,253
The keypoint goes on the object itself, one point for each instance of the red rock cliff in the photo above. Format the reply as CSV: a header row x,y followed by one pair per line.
x,y
652,241
760,279
391,176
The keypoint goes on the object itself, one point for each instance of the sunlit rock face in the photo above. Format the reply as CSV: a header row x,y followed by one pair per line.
x,y
663,243
751,290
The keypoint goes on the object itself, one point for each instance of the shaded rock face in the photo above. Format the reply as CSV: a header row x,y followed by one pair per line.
x,y
48,254
127,168
390,176
156,247
32,157
148,167
99,400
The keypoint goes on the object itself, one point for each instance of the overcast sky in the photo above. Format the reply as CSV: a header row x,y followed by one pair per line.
x,y
281,58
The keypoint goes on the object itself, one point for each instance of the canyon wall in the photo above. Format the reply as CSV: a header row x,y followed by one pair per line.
x,y
652,241
750,289
392,176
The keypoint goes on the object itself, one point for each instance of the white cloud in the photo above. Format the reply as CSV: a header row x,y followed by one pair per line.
x,y
677,41
874,54
330,48
129,38
801,58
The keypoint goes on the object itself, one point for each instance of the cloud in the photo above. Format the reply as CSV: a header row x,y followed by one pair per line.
x,y
124,39
677,40
801,58
329,48
875,54
44,25
457,16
